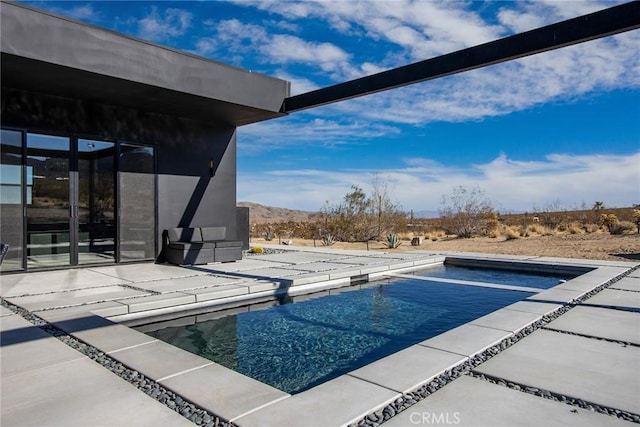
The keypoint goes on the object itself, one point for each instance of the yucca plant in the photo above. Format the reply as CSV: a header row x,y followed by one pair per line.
x,y
328,240
268,236
393,241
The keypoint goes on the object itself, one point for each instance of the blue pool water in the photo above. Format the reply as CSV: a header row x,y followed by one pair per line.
x,y
295,346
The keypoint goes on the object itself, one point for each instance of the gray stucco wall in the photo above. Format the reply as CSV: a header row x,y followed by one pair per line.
x,y
187,195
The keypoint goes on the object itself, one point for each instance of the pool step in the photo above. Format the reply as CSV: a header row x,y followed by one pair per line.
x,y
467,283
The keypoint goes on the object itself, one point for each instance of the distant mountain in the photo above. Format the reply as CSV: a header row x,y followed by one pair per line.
x,y
259,214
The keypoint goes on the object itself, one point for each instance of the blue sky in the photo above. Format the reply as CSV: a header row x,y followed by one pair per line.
x,y
560,128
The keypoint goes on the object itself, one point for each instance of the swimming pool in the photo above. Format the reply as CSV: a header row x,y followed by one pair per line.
x,y
295,346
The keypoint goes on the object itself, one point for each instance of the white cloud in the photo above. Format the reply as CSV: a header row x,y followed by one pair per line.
x,y
510,184
298,130
157,27
84,12
286,48
425,29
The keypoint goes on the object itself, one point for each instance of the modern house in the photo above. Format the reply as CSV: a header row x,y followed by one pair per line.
x,y
108,140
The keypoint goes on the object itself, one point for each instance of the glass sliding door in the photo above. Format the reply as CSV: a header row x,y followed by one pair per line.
x,y
96,227
137,201
11,209
67,201
48,200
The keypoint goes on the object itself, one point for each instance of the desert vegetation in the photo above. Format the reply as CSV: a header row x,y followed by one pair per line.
x,y
464,214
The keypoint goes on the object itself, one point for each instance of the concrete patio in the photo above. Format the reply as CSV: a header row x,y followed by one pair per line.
x,y
589,353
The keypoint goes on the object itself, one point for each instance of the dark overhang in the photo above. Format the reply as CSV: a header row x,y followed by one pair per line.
x,y
47,53
604,23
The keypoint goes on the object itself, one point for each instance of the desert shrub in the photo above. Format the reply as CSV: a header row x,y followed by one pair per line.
x,y
636,218
523,232
536,228
609,221
268,235
510,233
591,228
256,250
621,227
393,241
575,228
494,234
465,213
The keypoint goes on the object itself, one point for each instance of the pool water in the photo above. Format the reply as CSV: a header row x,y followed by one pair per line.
x,y
296,346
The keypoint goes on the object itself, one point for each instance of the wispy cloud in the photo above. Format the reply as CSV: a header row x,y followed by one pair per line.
x,y
161,26
84,12
426,29
511,184
299,130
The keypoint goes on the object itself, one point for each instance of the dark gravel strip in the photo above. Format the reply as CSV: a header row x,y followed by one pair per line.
x,y
187,409
466,368
569,400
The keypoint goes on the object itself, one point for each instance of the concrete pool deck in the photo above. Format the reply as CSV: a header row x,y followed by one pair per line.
x,y
591,352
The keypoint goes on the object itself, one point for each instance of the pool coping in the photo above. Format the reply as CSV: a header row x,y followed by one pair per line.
x,y
247,402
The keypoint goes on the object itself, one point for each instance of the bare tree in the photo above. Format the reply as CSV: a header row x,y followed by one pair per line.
x,y
465,212
389,217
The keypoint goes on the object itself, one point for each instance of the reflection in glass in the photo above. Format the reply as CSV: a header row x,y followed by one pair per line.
x,y
137,191
48,205
96,201
11,219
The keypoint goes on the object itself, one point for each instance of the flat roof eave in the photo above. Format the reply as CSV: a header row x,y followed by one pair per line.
x,y
47,53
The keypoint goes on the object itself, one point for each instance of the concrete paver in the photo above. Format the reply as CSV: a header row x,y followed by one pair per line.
x,y
473,402
218,292
334,403
247,264
615,298
560,296
26,347
98,331
76,297
146,272
186,283
52,281
150,302
507,320
222,391
534,307
408,369
151,359
630,283
597,371
600,322
467,340
79,393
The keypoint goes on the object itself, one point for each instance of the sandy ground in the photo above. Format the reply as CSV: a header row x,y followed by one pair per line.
x,y
588,246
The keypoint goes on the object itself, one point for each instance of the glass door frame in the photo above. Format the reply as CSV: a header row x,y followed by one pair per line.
x,y
74,182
